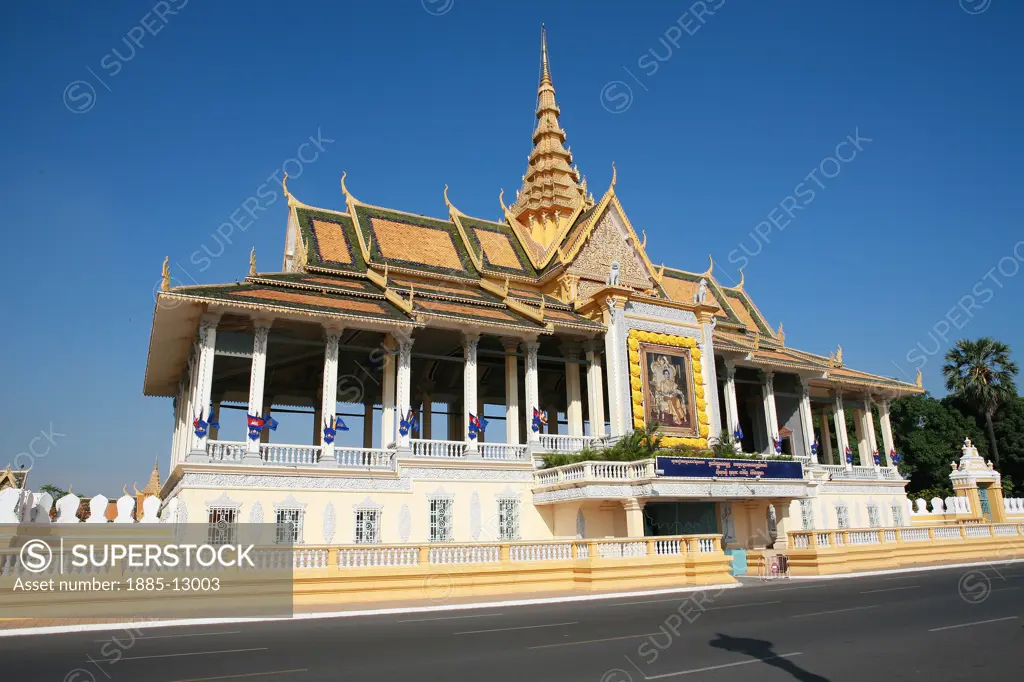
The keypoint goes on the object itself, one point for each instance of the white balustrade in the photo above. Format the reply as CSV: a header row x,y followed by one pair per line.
x,y
225,450
668,547
464,554
556,442
289,455
914,534
438,448
863,537
947,533
582,550
978,531
378,556
889,535
621,550
1006,529
502,451
823,539
365,458
801,540
541,552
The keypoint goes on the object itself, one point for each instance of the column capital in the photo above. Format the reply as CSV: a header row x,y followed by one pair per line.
x,y
593,346
633,504
333,328
571,350
470,338
263,322
530,345
209,320
510,344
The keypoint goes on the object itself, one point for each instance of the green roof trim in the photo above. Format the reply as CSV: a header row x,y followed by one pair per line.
x,y
471,224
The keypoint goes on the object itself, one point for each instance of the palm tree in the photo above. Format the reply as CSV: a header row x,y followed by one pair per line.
x,y
982,375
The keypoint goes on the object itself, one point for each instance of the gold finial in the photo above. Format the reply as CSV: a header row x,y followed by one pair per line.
x,y
252,262
615,174
757,340
740,285
643,243
385,273
124,489
501,200
781,334
506,285
839,356
711,266
545,68
920,380
344,189
831,359
165,275
135,487
446,202
660,275
284,185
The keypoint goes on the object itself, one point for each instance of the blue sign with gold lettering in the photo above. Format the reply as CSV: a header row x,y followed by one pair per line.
x,y
694,467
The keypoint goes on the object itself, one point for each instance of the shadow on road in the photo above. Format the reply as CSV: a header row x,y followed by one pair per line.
x,y
765,652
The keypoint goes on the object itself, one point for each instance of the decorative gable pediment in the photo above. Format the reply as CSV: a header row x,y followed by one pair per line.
x,y
611,240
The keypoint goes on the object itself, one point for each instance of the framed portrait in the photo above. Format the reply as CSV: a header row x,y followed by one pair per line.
x,y
668,389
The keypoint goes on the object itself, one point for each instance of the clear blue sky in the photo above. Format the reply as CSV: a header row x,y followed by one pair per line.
x,y
182,131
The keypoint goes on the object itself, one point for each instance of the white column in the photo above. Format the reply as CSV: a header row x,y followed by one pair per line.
x,y
511,347
619,411
403,399
770,416
807,419
710,372
329,401
387,400
839,415
887,442
257,376
869,426
207,343
426,419
826,439
595,390
732,411
532,388
863,444
368,425
573,394
470,342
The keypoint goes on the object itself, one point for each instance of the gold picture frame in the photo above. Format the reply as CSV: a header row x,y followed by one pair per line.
x,y
668,389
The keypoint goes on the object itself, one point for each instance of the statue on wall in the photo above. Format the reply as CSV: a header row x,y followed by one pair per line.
x,y
702,292
613,274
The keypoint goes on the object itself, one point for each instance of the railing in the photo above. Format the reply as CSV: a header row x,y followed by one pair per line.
x,y
859,473
1013,505
225,450
840,538
464,554
439,448
553,442
502,451
378,556
365,458
541,552
596,471
289,455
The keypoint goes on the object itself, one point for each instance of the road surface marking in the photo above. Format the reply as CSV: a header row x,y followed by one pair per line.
x,y
591,641
741,606
193,653
423,620
710,608
714,667
523,627
825,613
801,587
892,589
979,622
235,677
190,634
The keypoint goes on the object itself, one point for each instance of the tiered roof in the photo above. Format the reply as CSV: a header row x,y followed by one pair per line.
x,y
535,273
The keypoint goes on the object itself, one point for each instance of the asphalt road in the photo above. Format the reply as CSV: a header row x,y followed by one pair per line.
x,y
935,626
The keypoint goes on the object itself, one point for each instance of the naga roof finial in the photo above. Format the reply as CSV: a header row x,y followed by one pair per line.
x,y
344,189
615,176
920,380
711,266
165,274
740,285
284,186
643,241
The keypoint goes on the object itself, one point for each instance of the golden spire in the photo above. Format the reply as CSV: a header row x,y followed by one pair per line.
x,y
153,486
552,190
839,356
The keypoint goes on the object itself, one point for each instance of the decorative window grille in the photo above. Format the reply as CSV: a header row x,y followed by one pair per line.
x,y
508,519
222,524
806,515
842,517
440,520
289,526
874,518
897,515
367,526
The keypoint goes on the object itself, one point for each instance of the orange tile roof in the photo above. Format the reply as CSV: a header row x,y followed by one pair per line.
x,y
332,243
498,249
415,244
470,310
347,305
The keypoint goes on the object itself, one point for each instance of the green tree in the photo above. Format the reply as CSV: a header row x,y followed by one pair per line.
x,y
55,492
982,374
1008,424
929,435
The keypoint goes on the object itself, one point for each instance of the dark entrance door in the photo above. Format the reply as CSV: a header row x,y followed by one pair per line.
x,y
680,518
